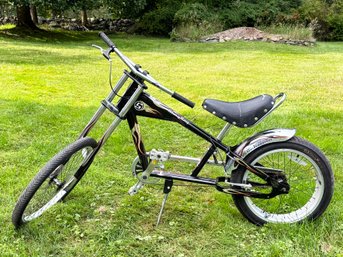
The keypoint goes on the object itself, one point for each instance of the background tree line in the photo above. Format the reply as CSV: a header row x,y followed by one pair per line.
x,y
174,17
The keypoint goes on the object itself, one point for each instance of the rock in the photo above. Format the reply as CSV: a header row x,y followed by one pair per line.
x,y
252,34
211,40
54,24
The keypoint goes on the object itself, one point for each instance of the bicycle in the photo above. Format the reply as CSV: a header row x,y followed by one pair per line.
x,y
273,176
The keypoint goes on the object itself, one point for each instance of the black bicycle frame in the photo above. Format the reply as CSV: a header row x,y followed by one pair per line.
x,y
135,102
148,106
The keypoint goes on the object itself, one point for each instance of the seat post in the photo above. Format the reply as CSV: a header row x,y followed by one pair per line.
x,y
224,131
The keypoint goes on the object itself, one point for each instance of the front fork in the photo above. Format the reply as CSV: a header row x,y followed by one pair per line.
x,y
120,110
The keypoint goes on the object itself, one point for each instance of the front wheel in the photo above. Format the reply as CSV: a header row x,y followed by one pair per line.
x,y
308,173
53,182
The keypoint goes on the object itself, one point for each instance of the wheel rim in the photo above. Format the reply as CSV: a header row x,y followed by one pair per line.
x,y
53,189
306,182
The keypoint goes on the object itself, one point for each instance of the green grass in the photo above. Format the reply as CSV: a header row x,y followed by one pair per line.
x,y
50,89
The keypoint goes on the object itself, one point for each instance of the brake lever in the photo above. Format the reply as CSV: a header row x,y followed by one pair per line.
x,y
105,53
99,47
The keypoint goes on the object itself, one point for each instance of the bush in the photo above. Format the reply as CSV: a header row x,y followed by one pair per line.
x,y
257,13
294,32
335,24
335,20
193,21
326,18
158,21
240,14
194,13
230,18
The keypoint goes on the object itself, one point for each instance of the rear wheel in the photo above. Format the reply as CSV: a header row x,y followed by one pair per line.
x,y
53,182
308,173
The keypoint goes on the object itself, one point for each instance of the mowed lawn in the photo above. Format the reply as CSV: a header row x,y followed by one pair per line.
x,y
50,88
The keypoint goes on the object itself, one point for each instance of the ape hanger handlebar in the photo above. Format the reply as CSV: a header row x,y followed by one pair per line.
x,y
138,71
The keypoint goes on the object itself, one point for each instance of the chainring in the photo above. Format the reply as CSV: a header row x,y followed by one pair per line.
x,y
137,171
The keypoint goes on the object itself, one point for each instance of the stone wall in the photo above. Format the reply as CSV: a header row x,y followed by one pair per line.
x,y
8,20
119,25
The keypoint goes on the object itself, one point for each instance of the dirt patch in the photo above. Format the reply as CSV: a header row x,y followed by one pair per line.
x,y
253,34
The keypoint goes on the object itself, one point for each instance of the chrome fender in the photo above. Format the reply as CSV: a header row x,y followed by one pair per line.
x,y
263,138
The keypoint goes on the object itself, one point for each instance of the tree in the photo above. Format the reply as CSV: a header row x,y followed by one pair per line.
x,y
33,12
24,15
27,13
83,6
127,9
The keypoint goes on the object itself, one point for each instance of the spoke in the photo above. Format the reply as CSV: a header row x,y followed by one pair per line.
x,y
302,176
49,192
301,191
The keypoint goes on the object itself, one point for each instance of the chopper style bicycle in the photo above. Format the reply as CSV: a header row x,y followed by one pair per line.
x,y
273,176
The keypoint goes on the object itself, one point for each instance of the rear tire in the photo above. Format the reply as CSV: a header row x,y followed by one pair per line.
x,y
308,173
53,182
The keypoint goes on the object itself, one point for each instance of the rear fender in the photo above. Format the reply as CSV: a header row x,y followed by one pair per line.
x,y
263,138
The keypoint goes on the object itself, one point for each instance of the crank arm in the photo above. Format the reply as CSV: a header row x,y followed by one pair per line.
x,y
135,188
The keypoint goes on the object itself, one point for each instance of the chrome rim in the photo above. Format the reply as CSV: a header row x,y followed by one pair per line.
x,y
306,187
52,189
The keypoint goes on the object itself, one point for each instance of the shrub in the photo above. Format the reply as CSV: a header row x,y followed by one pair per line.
x,y
256,13
325,17
194,13
240,14
231,18
295,32
335,20
193,21
335,24
158,21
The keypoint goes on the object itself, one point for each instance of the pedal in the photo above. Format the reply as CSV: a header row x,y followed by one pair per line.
x,y
135,188
168,184
160,156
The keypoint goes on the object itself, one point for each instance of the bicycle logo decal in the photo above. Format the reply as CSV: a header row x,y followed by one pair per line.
x,y
139,106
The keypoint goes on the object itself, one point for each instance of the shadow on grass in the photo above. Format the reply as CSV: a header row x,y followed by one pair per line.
x,y
46,35
40,57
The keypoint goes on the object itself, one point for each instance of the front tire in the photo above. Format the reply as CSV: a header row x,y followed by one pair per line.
x,y
308,173
53,182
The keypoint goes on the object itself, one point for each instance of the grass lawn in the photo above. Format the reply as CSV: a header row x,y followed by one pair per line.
x,y
52,86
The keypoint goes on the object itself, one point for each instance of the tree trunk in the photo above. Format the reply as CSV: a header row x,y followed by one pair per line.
x,y
33,11
53,14
84,19
24,17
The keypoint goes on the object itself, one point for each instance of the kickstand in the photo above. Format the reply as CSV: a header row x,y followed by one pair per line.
x,y
168,184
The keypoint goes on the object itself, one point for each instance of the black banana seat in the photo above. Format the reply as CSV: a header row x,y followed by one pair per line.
x,y
241,114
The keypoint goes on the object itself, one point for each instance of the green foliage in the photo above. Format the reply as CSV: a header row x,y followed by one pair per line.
x,y
126,9
194,13
335,23
335,20
252,13
193,21
158,21
325,17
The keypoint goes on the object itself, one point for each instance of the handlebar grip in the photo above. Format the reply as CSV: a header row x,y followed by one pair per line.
x,y
106,39
183,99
